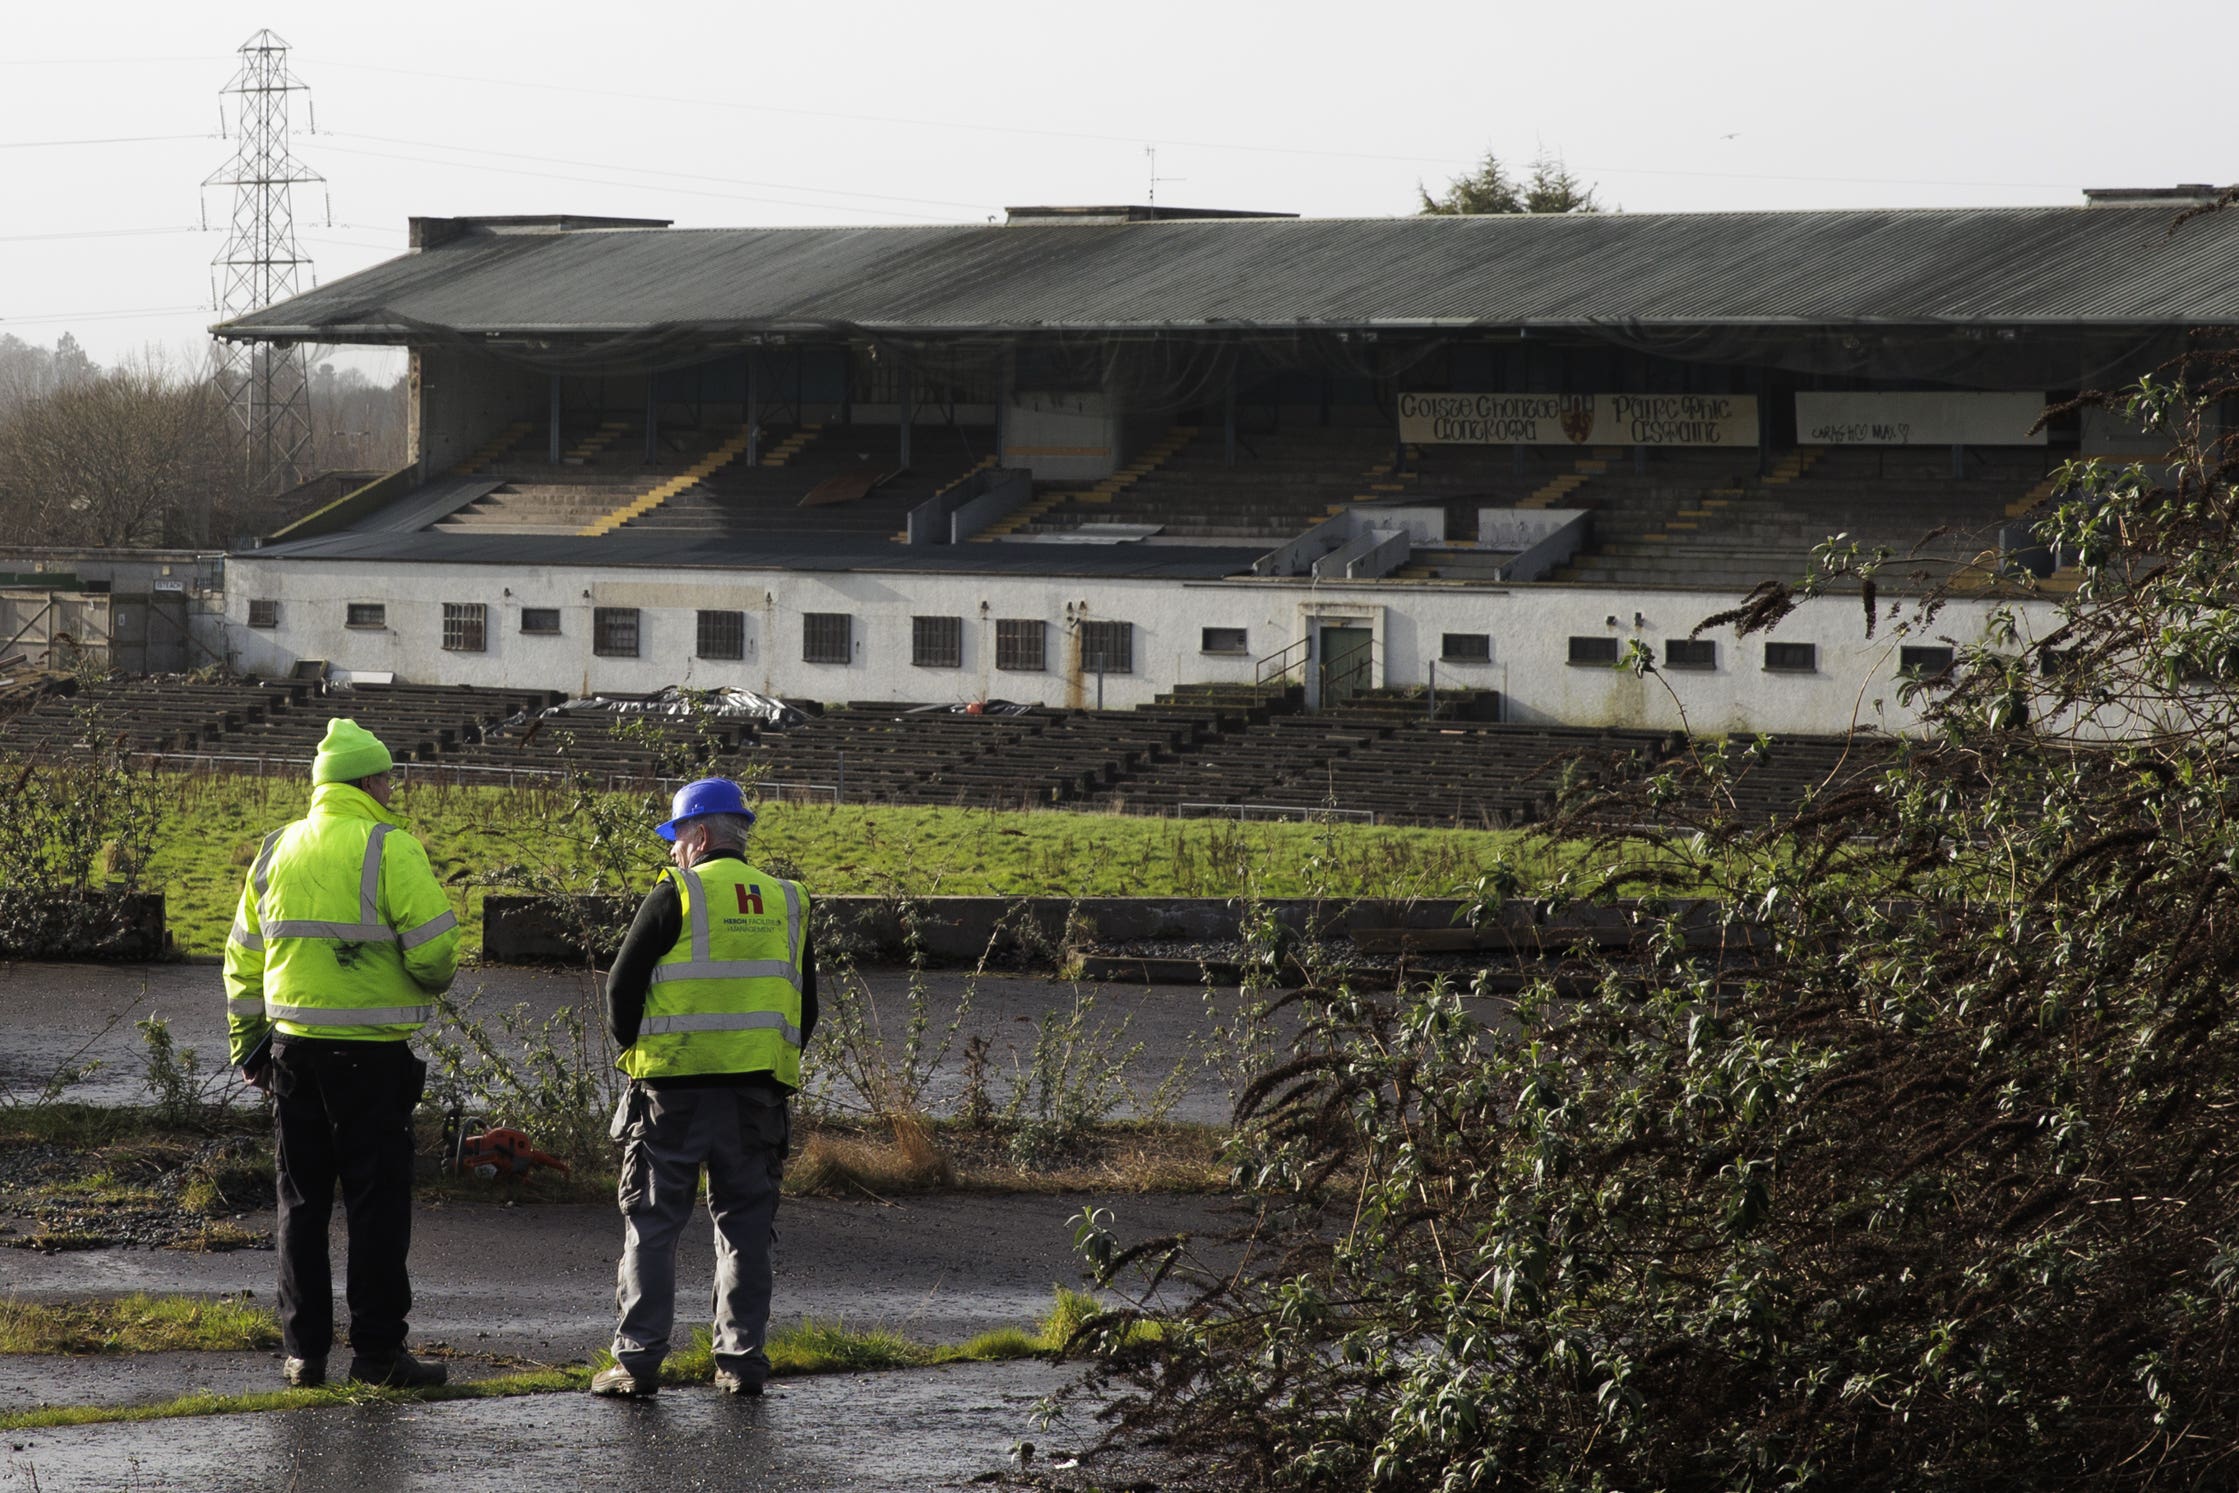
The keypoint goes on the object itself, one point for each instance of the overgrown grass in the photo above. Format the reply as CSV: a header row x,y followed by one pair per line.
x,y
137,1324
209,842
800,1350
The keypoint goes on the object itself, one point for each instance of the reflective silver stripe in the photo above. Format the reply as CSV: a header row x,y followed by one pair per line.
x,y
260,875
695,893
369,880
723,1021
728,969
245,1005
242,934
412,938
341,1016
345,932
792,926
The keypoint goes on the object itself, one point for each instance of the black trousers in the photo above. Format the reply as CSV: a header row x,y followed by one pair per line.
x,y
344,1115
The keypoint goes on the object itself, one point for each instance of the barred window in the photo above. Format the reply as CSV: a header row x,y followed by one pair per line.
x,y
1108,647
1223,640
1466,647
1690,653
722,635
1594,651
1925,661
1792,658
937,642
365,614
263,613
544,621
466,626
1021,645
614,632
827,637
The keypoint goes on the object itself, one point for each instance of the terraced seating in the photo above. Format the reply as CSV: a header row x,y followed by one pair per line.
x,y
1283,482
602,469
1735,536
417,722
148,715
604,745
858,467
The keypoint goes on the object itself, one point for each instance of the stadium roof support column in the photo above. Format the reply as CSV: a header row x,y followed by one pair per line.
x,y
753,410
652,418
908,412
1228,418
552,441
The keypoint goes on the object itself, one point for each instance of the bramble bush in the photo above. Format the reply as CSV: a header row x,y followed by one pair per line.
x,y
1924,1180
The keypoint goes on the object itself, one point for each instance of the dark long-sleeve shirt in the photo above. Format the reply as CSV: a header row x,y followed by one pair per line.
x,y
653,932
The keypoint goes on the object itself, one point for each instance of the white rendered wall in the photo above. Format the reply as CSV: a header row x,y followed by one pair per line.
x,y
1530,627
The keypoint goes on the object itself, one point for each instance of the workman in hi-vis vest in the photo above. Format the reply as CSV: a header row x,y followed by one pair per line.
x,y
343,940
711,998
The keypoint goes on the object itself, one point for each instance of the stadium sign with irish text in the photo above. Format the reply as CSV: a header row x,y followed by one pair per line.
x,y
1929,419
1578,419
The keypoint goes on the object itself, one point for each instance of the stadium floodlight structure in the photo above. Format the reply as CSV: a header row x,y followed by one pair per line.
x,y
264,382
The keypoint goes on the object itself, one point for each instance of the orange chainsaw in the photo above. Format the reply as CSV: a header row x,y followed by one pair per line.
x,y
504,1151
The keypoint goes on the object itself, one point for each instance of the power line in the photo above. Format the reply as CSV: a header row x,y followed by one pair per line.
x,y
102,140
627,170
24,321
627,186
27,238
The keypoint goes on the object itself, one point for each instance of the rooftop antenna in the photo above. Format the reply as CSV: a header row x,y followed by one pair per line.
x,y
264,383
1151,151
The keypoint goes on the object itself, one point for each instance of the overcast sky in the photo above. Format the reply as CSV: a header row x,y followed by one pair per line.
x,y
871,112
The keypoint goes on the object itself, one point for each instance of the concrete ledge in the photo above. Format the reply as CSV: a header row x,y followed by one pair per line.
x,y
963,930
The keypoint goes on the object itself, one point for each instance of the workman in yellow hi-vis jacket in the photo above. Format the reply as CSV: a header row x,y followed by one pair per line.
x,y
711,998
343,940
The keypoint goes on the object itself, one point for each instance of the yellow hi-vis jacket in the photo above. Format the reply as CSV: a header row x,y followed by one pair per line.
x,y
343,930
727,997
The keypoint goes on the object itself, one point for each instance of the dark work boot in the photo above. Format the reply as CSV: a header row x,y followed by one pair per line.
x,y
734,1383
304,1373
398,1370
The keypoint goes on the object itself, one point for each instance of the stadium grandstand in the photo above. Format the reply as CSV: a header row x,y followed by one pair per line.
x,y
1119,460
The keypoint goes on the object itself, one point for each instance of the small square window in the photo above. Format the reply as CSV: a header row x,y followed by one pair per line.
x,y
827,638
264,613
466,626
1690,653
1593,651
366,614
541,621
1223,640
1792,658
722,635
937,642
1021,645
1108,647
1465,648
614,632
1925,661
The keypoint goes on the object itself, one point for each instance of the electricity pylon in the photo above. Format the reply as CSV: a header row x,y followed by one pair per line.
x,y
264,382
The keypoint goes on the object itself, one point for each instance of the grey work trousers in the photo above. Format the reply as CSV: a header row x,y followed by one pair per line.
x,y
741,1135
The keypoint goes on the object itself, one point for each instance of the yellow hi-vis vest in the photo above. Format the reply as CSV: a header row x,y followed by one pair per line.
x,y
343,930
727,997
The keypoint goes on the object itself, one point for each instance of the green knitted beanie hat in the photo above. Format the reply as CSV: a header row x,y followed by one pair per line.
x,y
349,752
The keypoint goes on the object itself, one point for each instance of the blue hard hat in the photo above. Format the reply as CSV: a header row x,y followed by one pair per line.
x,y
706,796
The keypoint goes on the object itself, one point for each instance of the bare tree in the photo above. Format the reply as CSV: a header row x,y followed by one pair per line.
x,y
140,454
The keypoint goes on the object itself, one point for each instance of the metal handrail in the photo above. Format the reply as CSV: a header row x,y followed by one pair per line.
x,y
1284,664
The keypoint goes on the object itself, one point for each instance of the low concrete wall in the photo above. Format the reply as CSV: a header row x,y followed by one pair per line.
x,y
963,930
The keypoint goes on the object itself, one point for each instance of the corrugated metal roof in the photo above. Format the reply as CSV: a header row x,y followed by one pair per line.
x,y
2075,266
